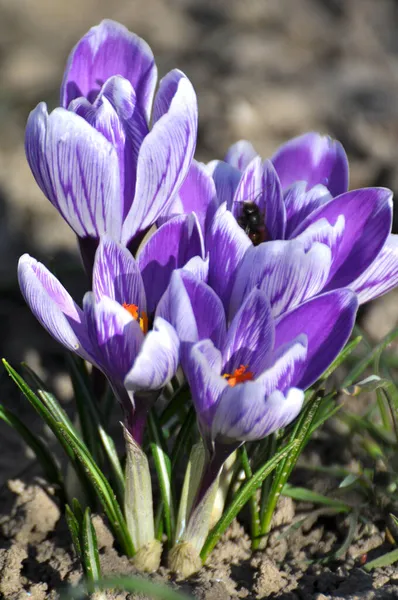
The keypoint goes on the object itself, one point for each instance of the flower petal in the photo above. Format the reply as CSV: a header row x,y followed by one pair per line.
x,y
240,154
193,308
77,169
197,194
226,244
53,307
367,215
315,159
244,413
115,333
157,361
109,49
285,366
117,116
301,202
169,248
381,276
250,337
117,276
327,322
165,155
285,270
226,179
260,185
203,373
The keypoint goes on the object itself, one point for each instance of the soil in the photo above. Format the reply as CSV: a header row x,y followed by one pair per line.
x,y
265,71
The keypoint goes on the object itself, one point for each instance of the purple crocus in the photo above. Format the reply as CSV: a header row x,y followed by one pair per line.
x,y
349,232
113,331
95,158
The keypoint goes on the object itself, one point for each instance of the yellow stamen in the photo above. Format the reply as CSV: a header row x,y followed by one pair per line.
x,y
238,376
143,319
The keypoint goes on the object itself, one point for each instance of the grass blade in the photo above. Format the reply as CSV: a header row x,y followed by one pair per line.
x,y
90,554
41,450
242,496
74,530
137,585
304,495
102,488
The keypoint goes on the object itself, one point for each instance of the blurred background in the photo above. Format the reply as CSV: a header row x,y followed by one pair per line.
x,y
264,70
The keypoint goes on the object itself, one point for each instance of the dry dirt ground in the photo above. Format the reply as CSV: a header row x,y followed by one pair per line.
x,y
264,70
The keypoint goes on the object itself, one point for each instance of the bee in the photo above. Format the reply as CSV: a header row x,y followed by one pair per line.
x,y
252,223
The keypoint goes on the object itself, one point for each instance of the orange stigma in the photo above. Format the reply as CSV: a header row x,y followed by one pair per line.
x,y
143,319
238,376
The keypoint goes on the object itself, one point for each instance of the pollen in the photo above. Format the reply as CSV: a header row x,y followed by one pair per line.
x,y
238,376
141,318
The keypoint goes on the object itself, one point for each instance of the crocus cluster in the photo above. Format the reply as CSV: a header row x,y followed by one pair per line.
x,y
246,272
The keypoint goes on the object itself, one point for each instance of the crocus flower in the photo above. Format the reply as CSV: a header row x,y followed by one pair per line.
x,y
112,331
300,194
95,158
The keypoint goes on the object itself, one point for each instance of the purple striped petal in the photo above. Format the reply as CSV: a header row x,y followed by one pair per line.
x,y
117,276
240,154
250,336
169,248
325,233
285,271
226,244
77,169
197,194
327,322
226,179
367,215
260,184
106,50
301,203
53,307
114,332
285,365
381,276
187,304
203,371
313,158
157,361
117,116
244,413
165,156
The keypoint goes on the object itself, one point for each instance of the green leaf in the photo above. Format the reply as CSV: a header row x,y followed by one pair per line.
x,y
95,436
242,496
41,450
163,470
74,529
90,554
103,490
387,559
360,367
344,354
178,401
301,433
138,585
78,511
254,512
305,495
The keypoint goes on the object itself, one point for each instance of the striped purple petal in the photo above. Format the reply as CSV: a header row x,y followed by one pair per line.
x,y
226,244
77,169
287,272
315,159
54,308
226,180
106,50
114,333
260,185
367,217
327,322
250,337
240,154
117,275
157,361
381,276
301,202
169,248
165,155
